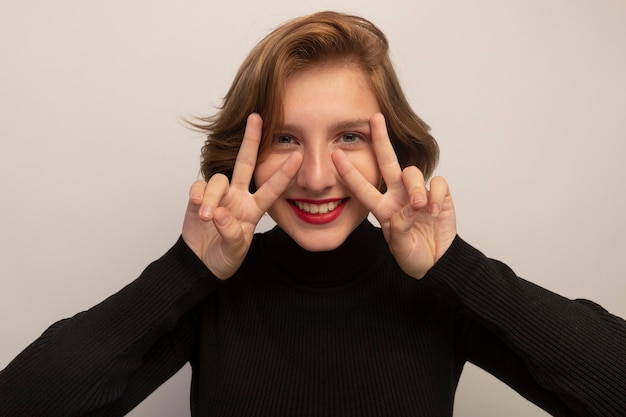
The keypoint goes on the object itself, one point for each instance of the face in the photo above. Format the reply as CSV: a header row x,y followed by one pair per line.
x,y
326,108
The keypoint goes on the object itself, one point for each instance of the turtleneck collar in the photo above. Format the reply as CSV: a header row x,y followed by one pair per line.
x,y
338,267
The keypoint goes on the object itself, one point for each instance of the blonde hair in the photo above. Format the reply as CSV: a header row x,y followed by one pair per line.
x,y
298,44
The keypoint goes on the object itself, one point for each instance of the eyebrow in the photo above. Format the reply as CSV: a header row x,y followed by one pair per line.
x,y
339,125
350,124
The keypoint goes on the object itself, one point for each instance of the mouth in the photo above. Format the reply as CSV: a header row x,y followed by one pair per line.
x,y
317,208
318,212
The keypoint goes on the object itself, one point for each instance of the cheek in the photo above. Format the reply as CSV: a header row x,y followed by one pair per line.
x,y
366,164
266,168
261,174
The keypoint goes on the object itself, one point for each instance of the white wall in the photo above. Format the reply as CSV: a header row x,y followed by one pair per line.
x,y
527,98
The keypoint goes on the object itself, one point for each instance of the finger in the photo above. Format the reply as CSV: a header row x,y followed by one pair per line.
x,y
360,187
226,225
232,234
276,185
404,219
439,191
215,189
196,192
415,184
247,155
385,154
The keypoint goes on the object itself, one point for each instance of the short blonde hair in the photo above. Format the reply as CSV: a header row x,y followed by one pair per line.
x,y
298,44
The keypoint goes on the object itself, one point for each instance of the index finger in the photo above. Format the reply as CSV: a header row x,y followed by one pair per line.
x,y
385,154
248,152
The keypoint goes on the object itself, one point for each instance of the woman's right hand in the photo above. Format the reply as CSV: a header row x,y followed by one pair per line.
x,y
221,217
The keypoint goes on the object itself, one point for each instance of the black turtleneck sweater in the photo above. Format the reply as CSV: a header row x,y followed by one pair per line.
x,y
340,333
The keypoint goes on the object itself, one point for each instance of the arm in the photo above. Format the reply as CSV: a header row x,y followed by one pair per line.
x,y
107,359
569,357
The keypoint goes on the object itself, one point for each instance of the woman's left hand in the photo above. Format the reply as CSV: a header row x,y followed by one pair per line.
x,y
418,223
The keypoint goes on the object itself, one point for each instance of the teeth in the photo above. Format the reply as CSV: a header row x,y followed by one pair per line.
x,y
318,208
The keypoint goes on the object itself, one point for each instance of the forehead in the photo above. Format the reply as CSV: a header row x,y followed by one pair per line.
x,y
328,94
327,72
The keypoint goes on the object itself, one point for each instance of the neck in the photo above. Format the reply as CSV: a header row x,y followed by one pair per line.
x,y
329,269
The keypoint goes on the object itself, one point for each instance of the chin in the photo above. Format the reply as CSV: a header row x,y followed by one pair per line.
x,y
318,237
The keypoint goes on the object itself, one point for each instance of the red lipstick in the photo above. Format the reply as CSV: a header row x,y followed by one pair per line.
x,y
318,211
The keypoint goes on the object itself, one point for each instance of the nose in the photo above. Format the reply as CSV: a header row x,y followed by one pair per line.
x,y
317,172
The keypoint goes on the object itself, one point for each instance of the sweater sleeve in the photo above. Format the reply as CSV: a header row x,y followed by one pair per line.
x,y
567,356
106,360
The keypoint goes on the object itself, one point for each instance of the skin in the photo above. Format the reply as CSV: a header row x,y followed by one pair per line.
x,y
326,109
333,146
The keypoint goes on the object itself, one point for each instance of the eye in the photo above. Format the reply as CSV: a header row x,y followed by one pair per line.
x,y
351,137
284,140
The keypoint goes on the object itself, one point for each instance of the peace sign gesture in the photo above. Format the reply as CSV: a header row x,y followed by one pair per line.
x,y
419,224
221,216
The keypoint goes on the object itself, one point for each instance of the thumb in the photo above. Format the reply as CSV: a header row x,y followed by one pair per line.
x,y
234,245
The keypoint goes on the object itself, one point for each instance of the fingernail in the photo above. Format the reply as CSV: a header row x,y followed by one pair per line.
x,y
435,210
224,221
408,212
206,211
418,199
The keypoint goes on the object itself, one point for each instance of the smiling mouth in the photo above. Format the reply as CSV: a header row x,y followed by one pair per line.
x,y
317,208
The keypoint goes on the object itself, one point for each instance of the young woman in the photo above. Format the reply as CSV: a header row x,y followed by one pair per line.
x,y
325,315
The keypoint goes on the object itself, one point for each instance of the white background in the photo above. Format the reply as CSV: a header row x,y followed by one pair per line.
x,y
526,97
